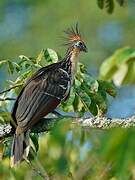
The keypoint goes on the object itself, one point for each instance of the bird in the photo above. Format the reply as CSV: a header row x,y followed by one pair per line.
x,y
43,92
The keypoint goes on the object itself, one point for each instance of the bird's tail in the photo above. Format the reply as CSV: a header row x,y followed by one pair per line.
x,y
20,148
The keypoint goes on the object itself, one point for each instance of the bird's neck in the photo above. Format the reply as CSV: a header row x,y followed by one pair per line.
x,y
71,58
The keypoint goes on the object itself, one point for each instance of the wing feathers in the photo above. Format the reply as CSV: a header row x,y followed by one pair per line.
x,y
36,108
40,96
26,102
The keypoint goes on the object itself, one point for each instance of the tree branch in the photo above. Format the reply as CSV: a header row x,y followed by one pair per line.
x,y
13,87
46,124
107,123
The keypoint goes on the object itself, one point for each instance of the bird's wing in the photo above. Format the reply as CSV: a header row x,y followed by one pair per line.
x,y
42,71
41,95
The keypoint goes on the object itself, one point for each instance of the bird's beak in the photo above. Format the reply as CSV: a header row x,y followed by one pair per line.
x,y
84,48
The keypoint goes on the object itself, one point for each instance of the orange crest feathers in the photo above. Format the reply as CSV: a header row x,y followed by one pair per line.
x,y
73,35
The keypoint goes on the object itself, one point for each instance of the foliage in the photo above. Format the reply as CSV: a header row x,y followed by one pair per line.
x,y
88,94
92,93
109,4
120,67
64,150
68,151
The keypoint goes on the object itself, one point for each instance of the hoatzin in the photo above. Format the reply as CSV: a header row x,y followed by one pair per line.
x,y
42,93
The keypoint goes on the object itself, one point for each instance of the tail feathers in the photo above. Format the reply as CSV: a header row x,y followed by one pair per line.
x,y
20,148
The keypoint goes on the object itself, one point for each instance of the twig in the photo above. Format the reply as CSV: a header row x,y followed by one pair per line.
x,y
38,169
13,87
7,99
41,170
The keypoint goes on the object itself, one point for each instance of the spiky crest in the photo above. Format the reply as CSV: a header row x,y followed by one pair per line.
x,y
73,34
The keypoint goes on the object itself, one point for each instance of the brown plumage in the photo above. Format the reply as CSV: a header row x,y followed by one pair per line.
x,y
42,93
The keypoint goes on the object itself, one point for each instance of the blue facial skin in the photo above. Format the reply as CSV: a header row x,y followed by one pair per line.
x,y
81,46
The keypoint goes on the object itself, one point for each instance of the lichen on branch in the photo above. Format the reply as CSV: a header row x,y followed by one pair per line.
x,y
46,124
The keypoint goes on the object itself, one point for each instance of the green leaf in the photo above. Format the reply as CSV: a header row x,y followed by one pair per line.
x,y
91,82
85,99
40,56
51,56
82,68
130,76
3,62
5,116
10,67
100,100
123,55
24,58
118,67
121,2
17,67
100,4
68,105
76,102
27,62
108,87
92,92
23,76
93,108
101,103
34,138
109,4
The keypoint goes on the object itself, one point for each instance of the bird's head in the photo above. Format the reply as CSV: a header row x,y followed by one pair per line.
x,y
74,39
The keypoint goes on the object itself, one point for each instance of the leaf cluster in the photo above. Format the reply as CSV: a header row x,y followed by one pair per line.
x,y
87,95
109,4
120,67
